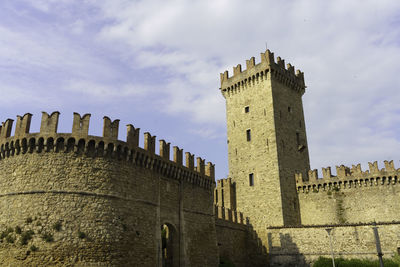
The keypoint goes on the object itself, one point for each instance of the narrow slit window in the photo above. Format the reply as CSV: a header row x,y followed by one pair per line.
x,y
298,138
246,109
248,135
251,179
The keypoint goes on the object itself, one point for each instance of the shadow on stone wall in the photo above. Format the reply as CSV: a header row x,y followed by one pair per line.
x,y
239,245
287,254
257,251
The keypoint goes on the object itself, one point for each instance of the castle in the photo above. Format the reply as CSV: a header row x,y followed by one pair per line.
x,y
71,199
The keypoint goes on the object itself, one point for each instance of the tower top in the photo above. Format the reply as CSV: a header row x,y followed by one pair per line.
x,y
253,72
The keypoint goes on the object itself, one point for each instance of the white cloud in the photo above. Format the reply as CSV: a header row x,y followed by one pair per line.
x,y
106,92
173,51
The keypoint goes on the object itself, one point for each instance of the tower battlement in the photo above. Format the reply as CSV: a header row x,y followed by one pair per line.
x,y
79,141
255,73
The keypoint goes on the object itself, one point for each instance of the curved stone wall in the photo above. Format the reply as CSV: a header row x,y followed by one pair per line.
x,y
94,200
80,200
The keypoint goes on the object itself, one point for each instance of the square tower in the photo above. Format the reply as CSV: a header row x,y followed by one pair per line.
x,y
267,141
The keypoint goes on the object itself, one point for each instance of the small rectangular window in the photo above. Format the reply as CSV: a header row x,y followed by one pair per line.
x,y
251,179
298,138
248,135
246,109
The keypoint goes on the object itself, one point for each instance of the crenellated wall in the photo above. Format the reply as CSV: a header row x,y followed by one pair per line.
x,y
267,146
266,140
225,194
351,196
99,200
254,73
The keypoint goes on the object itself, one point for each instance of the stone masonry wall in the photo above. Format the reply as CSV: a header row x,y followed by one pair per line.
x,y
266,138
79,200
302,246
238,243
352,197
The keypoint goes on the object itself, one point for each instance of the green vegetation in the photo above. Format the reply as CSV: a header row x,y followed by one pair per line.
x,y
47,237
340,262
28,220
10,239
57,226
18,230
81,235
26,236
340,211
33,248
336,189
5,233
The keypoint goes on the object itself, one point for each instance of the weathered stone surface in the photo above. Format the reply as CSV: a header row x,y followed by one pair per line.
x,y
270,180
302,246
96,202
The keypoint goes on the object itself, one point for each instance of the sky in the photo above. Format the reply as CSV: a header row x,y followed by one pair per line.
x,y
156,64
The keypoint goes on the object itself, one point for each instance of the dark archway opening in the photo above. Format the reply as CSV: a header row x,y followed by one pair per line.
x,y
169,246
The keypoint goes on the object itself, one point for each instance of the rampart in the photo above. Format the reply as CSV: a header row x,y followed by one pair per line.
x,y
108,145
242,79
352,196
72,198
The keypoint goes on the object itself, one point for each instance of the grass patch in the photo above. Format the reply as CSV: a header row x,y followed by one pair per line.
x,y
340,262
33,248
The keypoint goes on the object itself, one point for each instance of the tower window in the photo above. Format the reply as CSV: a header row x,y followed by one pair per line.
x,y
248,135
298,138
246,109
251,179
289,109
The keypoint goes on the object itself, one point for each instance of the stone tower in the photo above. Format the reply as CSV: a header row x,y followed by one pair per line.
x,y
267,141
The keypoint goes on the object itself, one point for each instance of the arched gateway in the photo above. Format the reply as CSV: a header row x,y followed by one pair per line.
x,y
169,246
